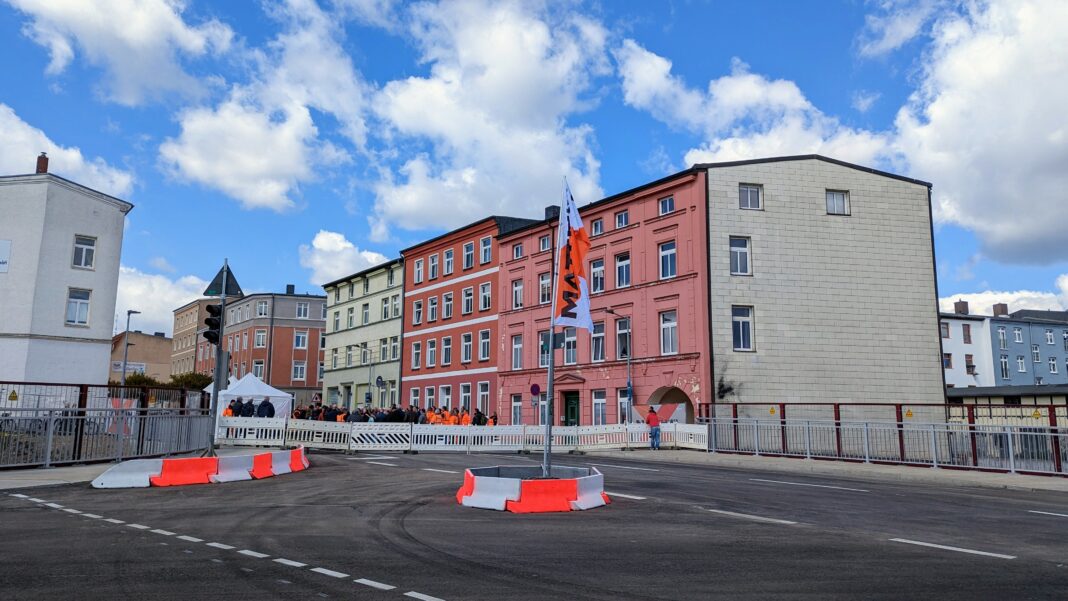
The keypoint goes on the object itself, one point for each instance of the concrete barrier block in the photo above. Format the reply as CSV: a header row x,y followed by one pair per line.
x,y
590,492
233,468
130,474
280,462
492,493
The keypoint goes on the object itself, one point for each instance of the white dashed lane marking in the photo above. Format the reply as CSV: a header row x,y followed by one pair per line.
x,y
809,485
421,596
755,518
191,539
139,526
626,467
381,463
220,546
619,494
371,583
327,572
54,505
92,515
948,548
69,510
290,562
35,500
255,554
114,521
1060,515
17,495
163,532
430,469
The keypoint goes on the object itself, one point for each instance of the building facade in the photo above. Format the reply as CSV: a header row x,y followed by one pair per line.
x,y
822,283
1028,348
60,244
966,357
363,334
148,354
450,331
186,340
648,280
277,337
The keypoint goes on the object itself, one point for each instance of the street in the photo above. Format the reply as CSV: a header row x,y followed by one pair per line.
x,y
386,526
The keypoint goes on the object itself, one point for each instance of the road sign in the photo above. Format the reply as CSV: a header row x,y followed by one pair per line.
x,y
14,396
216,285
771,410
1037,414
535,389
908,413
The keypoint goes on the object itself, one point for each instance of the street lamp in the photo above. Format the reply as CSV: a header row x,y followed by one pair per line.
x,y
126,343
630,353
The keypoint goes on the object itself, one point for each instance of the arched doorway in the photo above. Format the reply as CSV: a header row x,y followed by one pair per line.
x,y
671,402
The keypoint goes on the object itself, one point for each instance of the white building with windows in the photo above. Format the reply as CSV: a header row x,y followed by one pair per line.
x,y
966,353
60,244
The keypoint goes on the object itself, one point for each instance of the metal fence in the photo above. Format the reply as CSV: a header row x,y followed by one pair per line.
x,y
48,437
35,395
1050,415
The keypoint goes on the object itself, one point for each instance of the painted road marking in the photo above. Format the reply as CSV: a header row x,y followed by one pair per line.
x,y
15,494
36,500
69,510
430,469
114,521
327,572
756,518
220,546
191,539
804,484
247,570
381,463
626,467
255,554
1060,515
619,494
139,526
163,532
290,562
948,548
371,457
217,560
92,515
421,596
54,505
280,581
378,585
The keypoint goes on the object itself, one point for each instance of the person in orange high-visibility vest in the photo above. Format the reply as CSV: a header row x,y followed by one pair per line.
x,y
465,419
454,417
443,416
432,417
492,421
228,412
342,415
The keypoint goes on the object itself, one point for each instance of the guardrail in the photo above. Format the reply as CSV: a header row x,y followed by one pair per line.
x,y
48,437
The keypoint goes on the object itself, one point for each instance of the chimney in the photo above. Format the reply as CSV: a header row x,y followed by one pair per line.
x,y
159,335
1001,310
290,289
552,212
960,307
42,163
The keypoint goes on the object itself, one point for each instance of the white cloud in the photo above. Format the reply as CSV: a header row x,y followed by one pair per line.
x,y
155,296
139,43
504,77
864,100
982,302
966,271
900,22
262,142
162,264
331,256
379,13
22,143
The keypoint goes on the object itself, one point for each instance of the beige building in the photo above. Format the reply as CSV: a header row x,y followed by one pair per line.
x,y
363,328
149,354
188,324
822,283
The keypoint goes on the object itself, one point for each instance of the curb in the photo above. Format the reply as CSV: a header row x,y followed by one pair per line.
x,y
140,473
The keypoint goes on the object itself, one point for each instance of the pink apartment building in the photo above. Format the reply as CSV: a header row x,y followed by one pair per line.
x,y
648,278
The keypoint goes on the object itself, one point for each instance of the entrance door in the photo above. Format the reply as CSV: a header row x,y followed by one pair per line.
x,y
571,408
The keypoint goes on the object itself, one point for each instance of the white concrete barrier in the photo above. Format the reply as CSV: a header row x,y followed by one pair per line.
x,y
280,462
234,468
590,491
130,474
492,493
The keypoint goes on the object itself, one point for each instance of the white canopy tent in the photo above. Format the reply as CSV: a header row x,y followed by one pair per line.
x,y
251,387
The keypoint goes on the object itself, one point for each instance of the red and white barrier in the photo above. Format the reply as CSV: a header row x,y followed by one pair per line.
x,y
520,489
201,470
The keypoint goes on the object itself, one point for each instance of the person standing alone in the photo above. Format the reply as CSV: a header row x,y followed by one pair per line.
x,y
653,421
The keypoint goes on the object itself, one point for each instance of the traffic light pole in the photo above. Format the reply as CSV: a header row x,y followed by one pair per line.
x,y
220,360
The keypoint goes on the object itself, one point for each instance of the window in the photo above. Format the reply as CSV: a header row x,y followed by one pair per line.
x,y
333,359
837,202
623,270
669,333
468,301
417,355
517,294
749,196
365,313
395,301
543,349
543,243
349,351
433,266
947,360
485,250
570,346
84,251
1035,355
337,294
969,365
742,318
469,255
390,279
1002,342
966,330
465,396
1052,365
352,292
350,317
598,407
445,395
465,348
543,408
545,289
432,309
623,338
299,368
740,256
257,368
383,349
431,352
597,227
945,330
517,352
1049,337
596,276
302,310
447,262
597,342
1064,335
517,409
1021,364
366,285
394,347
78,307
484,297
1005,367
623,404
667,260
446,305
1017,334
446,350
483,396
517,251
244,341
259,340
413,396
261,309
622,219
417,312
483,345
322,340
417,273
666,205
385,308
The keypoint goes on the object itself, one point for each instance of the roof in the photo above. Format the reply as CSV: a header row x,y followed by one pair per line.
x,y
992,391
503,223
124,205
964,316
1038,315
371,269
810,157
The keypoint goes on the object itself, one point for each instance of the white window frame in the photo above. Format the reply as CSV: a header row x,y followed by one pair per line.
x,y
1021,364
623,266
413,396
666,205
417,355
669,264
446,350
350,317
483,396
87,250
81,307
446,305
597,342
465,395
365,313
432,267
517,352
838,202
385,308
469,255
467,300
1036,354
517,294
544,243
597,227
445,395
545,289
484,345
259,339
669,332
485,296
304,306
746,203
257,368
301,375
417,271
544,348
1017,334
261,308
485,250
740,251
623,333
417,312
746,327
570,346
447,262
466,347
1052,365
596,276
431,352
432,309
598,405
517,250
622,219
1049,337
517,409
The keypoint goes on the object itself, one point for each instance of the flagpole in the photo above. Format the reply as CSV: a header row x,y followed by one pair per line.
x,y
547,457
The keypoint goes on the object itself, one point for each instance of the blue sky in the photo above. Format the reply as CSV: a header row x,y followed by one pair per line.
x,y
323,137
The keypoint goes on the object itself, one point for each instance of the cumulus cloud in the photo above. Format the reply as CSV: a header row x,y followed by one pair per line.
x,y
155,296
162,264
864,100
138,43
897,23
22,143
504,78
983,302
331,256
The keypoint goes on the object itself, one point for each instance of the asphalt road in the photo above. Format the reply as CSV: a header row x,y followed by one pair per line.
x,y
352,526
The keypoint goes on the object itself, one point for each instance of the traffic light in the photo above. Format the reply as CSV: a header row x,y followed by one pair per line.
x,y
214,323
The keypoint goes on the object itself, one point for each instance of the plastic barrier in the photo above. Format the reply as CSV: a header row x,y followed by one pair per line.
x,y
136,473
381,437
544,496
190,470
261,466
491,492
519,489
297,460
320,435
234,468
201,470
252,431
280,462
590,492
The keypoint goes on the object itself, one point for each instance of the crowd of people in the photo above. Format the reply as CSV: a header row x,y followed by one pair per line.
x,y
394,414
241,408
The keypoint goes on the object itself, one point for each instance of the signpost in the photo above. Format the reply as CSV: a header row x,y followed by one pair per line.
x,y
222,285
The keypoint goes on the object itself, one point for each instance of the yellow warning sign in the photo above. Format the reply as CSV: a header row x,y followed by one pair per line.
x,y
908,413
14,396
771,410
1037,414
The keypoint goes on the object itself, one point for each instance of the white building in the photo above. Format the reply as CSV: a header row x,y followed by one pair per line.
x,y
966,352
60,244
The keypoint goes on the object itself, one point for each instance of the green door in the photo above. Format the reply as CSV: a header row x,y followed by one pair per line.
x,y
571,408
